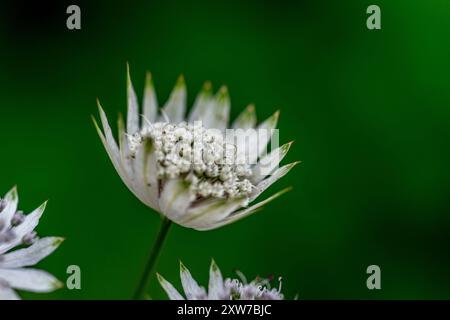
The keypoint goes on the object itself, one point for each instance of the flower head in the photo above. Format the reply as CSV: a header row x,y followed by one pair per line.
x,y
220,289
17,229
195,171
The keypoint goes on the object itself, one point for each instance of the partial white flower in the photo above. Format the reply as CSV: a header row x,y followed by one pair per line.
x,y
191,170
219,289
17,229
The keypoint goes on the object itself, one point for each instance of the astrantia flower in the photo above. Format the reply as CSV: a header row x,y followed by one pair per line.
x,y
17,229
220,289
189,169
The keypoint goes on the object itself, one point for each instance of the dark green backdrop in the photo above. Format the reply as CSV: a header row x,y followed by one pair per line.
x,y
369,111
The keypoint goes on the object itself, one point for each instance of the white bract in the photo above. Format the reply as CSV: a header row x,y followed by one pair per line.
x,y
194,170
17,229
220,289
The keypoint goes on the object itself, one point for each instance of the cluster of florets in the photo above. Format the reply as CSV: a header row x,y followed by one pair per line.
x,y
7,233
201,156
259,289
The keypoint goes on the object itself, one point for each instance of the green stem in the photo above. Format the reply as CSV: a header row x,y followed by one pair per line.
x,y
152,259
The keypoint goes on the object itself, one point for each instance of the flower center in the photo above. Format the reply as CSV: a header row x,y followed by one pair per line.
x,y
7,229
200,156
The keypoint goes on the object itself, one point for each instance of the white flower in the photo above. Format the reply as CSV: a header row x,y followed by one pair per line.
x,y
17,229
219,289
191,170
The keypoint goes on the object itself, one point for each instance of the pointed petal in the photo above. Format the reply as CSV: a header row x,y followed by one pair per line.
x,y
12,199
135,169
175,198
191,288
215,286
245,212
146,186
150,101
218,112
111,147
133,108
30,280
251,143
247,118
124,153
110,143
29,223
176,105
210,212
122,137
169,288
269,163
31,255
277,175
267,126
201,103
150,172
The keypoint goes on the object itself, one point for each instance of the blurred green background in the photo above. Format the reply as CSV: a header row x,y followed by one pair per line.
x,y
369,111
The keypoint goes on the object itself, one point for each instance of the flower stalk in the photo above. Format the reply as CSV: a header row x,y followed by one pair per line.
x,y
152,259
